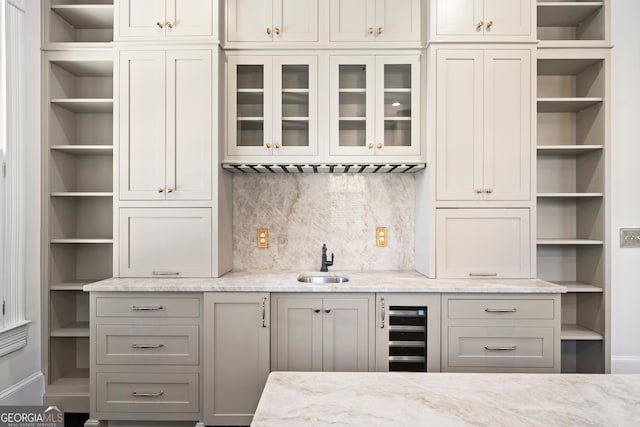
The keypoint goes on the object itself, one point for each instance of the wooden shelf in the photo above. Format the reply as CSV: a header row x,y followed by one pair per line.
x,y
397,119
352,119
398,90
295,90
81,194
572,242
567,150
569,195
566,105
250,119
579,287
74,330
84,150
578,333
78,241
565,67
352,90
89,68
86,16
566,14
296,119
69,286
86,105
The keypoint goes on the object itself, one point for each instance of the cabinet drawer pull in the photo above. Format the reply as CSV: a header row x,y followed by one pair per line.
x,y
492,348
489,25
159,25
268,31
383,313
479,25
379,30
169,24
144,346
483,274
371,30
277,31
165,273
147,308
500,310
264,312
153,394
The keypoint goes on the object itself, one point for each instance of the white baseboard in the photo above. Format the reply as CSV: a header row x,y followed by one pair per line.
x,y
29,391
625,365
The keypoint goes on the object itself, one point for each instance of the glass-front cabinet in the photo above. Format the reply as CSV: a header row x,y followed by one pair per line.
x,y
272,106
375,105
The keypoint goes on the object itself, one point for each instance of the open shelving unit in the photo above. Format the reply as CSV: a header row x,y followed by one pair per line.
x,y
572,237
77,205
575,23
77,23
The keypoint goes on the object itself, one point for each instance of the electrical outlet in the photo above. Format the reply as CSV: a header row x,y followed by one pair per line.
x,y
263,237
630,237
381,236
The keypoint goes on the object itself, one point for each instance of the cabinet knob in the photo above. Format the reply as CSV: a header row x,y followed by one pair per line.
x,y
489,25
327,310
316,310
267,145
371,30
379,30
268,31
370,146
160,190
276,30
159,25
479,190
169,24
169,190
489,190
380,145
276,145
479,25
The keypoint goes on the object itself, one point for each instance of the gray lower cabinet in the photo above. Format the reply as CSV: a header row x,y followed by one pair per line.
x,y
323,332
500,333
236,345
145,352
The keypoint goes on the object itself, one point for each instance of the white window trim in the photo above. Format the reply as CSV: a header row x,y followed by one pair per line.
x,y
13,328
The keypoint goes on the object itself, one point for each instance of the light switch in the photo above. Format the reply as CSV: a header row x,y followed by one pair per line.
x,y
263,237
630,237
381,236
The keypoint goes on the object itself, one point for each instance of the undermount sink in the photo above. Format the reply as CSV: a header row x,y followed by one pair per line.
x,y
322,279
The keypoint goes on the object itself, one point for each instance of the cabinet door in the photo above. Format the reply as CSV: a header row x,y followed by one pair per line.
x,y
141,18
249,20
295,20
348,343
158,242
459,17
298,344
249,112
397,105
295,105
473,243
507,125
397,20
508,17
142,125
353,20
459,125
189,17
352,98
237,347
189,124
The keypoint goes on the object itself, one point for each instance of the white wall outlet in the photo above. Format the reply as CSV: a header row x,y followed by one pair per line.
x,y
630,237
381,236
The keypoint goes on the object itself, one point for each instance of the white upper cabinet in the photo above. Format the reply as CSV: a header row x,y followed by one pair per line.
x,y
272,107
499,20
483,125
375,104
375,20
272,20
166,125
165,19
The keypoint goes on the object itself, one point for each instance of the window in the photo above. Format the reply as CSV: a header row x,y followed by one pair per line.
x,y
12,176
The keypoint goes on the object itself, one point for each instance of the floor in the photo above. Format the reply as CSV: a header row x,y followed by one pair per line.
x,y
72,419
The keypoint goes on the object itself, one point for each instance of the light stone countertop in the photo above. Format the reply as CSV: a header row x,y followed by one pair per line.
x,y
286,281
448,399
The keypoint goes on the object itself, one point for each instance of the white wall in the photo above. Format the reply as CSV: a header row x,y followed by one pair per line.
x,y
625,185
21,380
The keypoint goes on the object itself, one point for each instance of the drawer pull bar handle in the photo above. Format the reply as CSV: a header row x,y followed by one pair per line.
x,y
151,308
147,345
500,310
165,273
483,274
156,394
490,348
383,313
264,312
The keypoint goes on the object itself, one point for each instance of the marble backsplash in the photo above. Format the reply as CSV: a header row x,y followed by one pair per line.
x,y
304,211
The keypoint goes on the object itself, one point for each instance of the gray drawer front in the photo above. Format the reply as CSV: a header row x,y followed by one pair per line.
x,y
147,392
498,347
147,307
497,309
148,345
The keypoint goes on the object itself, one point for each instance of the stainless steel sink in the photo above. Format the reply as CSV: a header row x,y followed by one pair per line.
x,y
322,279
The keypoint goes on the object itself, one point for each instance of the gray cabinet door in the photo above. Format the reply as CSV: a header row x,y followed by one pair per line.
x,y
299,334
236,344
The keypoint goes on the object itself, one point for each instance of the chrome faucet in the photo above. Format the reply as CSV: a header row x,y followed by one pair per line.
x,y
325,263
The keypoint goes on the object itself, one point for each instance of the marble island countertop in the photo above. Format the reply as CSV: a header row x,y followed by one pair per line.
x,y
286,281
448,399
